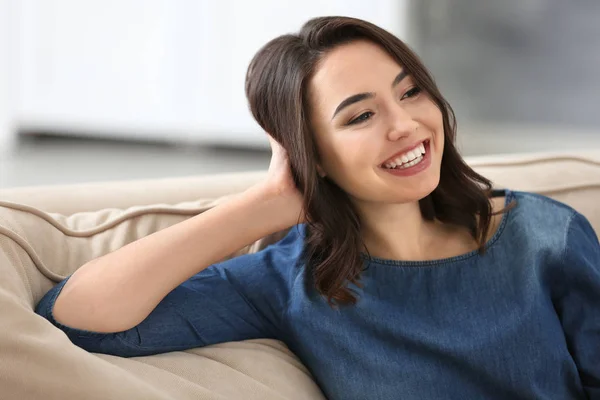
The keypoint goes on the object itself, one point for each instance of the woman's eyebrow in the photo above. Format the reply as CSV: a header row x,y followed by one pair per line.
x,y
355,98
403,74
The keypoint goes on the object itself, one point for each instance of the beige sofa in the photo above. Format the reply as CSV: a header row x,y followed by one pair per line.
x,y
46,233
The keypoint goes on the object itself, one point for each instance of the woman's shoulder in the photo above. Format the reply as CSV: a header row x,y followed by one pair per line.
x,y
539,223
541,217
538,207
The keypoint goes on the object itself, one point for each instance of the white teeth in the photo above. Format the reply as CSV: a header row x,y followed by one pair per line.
x,y
410,164
408,159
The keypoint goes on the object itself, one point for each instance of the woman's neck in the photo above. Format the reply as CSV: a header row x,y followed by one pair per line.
x,y
399,232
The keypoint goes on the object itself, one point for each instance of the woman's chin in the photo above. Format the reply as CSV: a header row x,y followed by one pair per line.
x,y
415,191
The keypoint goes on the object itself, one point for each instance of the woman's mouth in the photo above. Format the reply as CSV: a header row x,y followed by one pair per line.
x,y
411,162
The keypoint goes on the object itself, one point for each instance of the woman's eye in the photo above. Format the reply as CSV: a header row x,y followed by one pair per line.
x,y
412,92
362,117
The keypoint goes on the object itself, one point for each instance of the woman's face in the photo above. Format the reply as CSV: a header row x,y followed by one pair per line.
x,y
370,121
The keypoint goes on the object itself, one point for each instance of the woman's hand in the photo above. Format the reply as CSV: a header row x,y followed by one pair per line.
x,y
280,184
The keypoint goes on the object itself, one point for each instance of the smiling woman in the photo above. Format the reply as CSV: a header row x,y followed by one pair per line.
x,y
411,277
371,146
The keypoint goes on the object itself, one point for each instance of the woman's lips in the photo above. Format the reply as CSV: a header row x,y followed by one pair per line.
x,y
415,169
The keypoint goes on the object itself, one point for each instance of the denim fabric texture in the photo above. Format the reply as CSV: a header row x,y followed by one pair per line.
x,y
521,321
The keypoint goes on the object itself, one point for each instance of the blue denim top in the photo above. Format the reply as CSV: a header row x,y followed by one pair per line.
x,y
521,321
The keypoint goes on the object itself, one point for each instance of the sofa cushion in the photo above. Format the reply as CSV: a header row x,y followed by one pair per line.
x,y
38,249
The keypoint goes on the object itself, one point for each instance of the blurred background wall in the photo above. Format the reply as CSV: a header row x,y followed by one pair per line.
x,y
155,69
124,89
520,74
7,132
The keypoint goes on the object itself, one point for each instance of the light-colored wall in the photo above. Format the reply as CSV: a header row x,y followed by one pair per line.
x,y
158,69
6,88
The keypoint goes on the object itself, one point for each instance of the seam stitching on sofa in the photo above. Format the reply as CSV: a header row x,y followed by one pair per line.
x,y
107,225
546,159
32,254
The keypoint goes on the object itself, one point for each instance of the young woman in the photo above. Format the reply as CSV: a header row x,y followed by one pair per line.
x,y
403,274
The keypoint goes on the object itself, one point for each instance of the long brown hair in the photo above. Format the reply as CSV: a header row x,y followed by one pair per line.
x,y
277,90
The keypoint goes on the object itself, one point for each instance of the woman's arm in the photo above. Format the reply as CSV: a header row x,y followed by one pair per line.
x,y
578,301
119,290
245,297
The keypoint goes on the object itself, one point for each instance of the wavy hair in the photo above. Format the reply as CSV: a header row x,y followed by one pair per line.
x,y
277,91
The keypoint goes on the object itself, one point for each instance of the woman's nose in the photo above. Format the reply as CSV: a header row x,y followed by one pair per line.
x,y
401,124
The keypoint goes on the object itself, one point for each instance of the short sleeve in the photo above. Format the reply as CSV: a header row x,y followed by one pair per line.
x,y
242,298
579,304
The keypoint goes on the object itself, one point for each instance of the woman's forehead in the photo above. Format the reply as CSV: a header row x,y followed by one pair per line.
x,y
352,68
